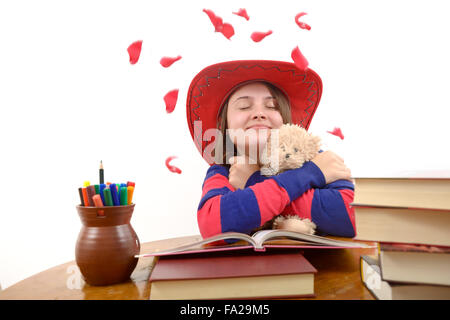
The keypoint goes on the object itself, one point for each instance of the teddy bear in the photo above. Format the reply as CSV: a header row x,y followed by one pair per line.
x,y
294,146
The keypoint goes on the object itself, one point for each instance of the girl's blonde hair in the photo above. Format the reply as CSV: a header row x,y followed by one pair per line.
x,y
281,102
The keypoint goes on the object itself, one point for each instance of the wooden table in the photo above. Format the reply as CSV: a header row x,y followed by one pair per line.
x,y
338,277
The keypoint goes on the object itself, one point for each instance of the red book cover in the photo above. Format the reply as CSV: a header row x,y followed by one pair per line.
x,y
230,265
404,247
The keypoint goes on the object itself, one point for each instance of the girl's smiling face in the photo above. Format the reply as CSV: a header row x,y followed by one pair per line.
x,y
252,107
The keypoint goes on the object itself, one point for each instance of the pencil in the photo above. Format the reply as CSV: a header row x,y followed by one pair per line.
x,y
102,178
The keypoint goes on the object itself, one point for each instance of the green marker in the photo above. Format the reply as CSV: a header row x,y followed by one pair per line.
x,y
123,196
108,197
97,189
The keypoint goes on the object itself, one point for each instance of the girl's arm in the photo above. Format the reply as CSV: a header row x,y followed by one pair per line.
x,y
328,207
222,208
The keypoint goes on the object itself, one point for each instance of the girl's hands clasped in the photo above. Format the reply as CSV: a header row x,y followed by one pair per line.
x,y
240,171
332,167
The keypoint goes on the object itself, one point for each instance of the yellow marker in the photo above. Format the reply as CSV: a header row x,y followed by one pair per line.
x,y
130,190
86,184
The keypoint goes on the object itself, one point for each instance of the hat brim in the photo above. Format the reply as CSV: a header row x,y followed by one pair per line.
x,y
211,86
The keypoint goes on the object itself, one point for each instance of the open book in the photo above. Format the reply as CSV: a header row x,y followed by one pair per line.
x,y
259,241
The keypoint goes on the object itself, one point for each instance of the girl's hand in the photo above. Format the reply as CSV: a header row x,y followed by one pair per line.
x,y
332,167
240,171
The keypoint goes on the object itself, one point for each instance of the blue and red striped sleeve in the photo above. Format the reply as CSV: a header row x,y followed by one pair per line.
x,y
328,207
222,208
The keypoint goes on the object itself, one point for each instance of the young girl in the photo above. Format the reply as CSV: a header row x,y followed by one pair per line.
x,y
262,95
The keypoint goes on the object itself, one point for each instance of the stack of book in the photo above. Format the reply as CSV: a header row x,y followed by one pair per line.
x,y
232,275
409,215
266,265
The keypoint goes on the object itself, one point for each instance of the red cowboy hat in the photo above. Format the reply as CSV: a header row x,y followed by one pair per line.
x,y
211,87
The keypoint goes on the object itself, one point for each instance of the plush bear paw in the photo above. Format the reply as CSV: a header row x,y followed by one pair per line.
x,y
294,223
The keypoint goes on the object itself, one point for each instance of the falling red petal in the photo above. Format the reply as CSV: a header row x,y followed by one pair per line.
x,y
170,167
299,60
337,132
171,100
134,50
258,36
215,20
301,24
227,30
242,13
167,61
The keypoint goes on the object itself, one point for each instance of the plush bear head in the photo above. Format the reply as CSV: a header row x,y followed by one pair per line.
x,y
295,146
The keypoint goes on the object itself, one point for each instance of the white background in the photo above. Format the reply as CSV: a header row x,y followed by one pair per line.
x,y
70,98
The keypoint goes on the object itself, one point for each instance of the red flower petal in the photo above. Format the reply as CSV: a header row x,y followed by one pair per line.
x,y
167,61
299,60
227,30
171,100
258,36
242,13
301,24
337,132
215,20
134,50
170,167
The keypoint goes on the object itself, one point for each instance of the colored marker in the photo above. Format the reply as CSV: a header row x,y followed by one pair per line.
x,y
130,194
97,200
108,197
119,185
131,184
123,196
80,191
102,187
97,189
85,197
114,194
86,184
101,173
90,193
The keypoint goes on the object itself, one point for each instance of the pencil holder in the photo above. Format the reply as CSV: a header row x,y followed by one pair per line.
x,y
106,245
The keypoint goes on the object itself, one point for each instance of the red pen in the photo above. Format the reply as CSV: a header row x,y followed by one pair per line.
x,y
85,197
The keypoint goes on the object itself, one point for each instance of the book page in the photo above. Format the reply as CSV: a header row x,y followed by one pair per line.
x,y
201,245
264,235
